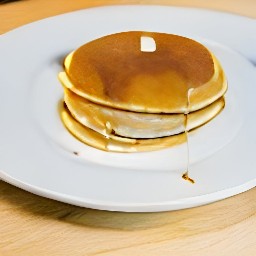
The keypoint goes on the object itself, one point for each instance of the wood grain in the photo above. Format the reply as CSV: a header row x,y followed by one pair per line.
x,y
25,11
35,225
32,225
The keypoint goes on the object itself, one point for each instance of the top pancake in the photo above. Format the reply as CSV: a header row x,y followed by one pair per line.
x,y
113,71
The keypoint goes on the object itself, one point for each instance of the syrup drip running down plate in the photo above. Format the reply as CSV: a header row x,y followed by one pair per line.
x,y
39,155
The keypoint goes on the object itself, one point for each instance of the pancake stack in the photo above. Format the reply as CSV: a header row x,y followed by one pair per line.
x,y
140,91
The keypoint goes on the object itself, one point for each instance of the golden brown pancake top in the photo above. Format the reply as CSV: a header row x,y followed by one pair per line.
x,y
115,70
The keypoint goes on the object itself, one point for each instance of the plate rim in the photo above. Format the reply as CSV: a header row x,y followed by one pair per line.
x,y
128,207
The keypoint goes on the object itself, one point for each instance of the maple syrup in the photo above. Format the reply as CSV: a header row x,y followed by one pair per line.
x,y
185,175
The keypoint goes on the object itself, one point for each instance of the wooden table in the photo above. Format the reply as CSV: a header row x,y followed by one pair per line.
x,y
31,225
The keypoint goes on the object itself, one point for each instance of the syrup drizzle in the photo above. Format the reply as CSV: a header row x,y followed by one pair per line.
x,y
108,130
108,127
185,176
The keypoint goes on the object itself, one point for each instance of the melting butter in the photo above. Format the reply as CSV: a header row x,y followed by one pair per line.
x,y
147,44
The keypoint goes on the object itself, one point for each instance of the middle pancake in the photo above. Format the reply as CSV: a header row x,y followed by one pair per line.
x,y
127,126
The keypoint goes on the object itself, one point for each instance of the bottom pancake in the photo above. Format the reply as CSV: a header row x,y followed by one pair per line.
x,y
96,140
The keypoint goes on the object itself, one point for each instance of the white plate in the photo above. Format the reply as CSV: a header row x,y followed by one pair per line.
x,y
36,150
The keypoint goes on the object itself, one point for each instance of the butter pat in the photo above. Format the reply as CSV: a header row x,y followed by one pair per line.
x,y
147,44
